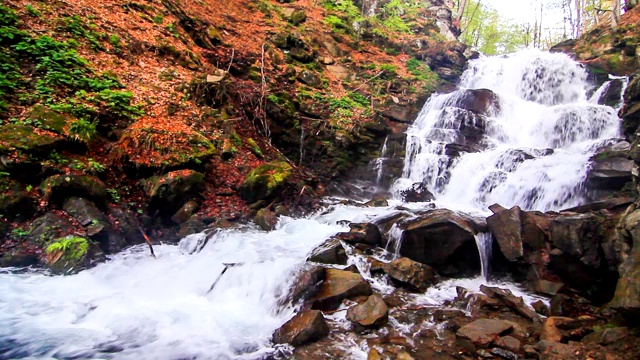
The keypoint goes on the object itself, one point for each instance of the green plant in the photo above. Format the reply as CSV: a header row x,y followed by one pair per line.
x,y
83,130
77,27
32,11
19,233
29,188
72,247
158,19
114,195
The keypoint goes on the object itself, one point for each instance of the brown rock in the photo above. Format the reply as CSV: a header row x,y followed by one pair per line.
x,y
339,285
507,229
331,252
307,326
306,283
554,350
550,330
484,331
607,336
508,343
514,302
410,273
371,313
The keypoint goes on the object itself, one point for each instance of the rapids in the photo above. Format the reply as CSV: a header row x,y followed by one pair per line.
x,y
535,153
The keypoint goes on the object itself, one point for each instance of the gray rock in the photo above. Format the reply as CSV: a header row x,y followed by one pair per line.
x,y
331,252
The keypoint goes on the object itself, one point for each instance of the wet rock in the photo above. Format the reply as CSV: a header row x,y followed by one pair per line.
x,y
71,254
339,285
377,202
167,193
331,252
369,314
508,343
125,221
307,326
610,173
514,302
364,233
547,287
484,331
306,283
96,224
506,227
17,204
479,101
17,259
47,228
505,354
192,226
627,294
435,236
541,308
418,192
58,188
266,219
411,274
264,181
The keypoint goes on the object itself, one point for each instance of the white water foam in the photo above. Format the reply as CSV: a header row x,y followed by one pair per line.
x,y
536,141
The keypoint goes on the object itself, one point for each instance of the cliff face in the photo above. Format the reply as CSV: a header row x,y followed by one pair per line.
x,y
163,113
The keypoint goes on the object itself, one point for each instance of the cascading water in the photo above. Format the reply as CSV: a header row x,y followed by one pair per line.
x,y
532,151
526,140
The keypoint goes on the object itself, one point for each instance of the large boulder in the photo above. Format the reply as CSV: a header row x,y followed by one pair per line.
x,y
339,285
506,227
264,181
167,193
576,236
365,233
307,326
330,252
478,101
418,192
47,228
369,314
17,204
434,236
610,173
57,188
411,274
627,293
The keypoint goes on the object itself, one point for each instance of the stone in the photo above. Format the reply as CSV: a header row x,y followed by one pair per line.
x,y
607,336
266,219
301,55
169,192
339,285
575,235
264,181
418,192
307,326
411,274
331,252
217,76
16,204
508,343
24,137
506,227
627,294
185,212
514,302
376,202
96,223
541,308
479,101
550,329
47,228
547,287
369,314
341,72
483,332
505,354
309,78
610,173
435,236
364,233
57,188
297,17
71,254
306,284
554,350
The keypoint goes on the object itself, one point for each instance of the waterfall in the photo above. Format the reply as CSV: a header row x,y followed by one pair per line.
x,y
520,130
378,164
484,242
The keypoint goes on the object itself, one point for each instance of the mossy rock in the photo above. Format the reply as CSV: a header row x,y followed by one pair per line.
x,y
48,227
264,181
49,119
297,17
57,188
167,193
71,254
24,137
153,146
17,204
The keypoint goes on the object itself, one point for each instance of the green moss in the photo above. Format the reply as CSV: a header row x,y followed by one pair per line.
x,y
254,148
72,248
23,137
263,181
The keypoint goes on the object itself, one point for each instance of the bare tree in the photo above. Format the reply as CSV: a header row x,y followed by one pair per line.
x,y
461,6
615,13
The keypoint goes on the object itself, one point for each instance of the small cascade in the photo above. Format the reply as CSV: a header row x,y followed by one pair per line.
x,y
395,241
484,242
379,162
301,144
519,131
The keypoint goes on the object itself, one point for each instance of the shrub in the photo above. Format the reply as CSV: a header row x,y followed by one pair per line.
x,y
83,130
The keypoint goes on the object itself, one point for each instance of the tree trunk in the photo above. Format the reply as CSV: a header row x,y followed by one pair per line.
x,y
461,7
578,28
615,13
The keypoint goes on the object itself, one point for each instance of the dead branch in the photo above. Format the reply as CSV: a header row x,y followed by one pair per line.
x,y
146,238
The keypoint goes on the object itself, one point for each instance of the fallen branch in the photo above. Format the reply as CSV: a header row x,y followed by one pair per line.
x,y
365,83
226,267
146,238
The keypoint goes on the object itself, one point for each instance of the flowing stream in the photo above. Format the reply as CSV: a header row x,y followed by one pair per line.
x,y
534,153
